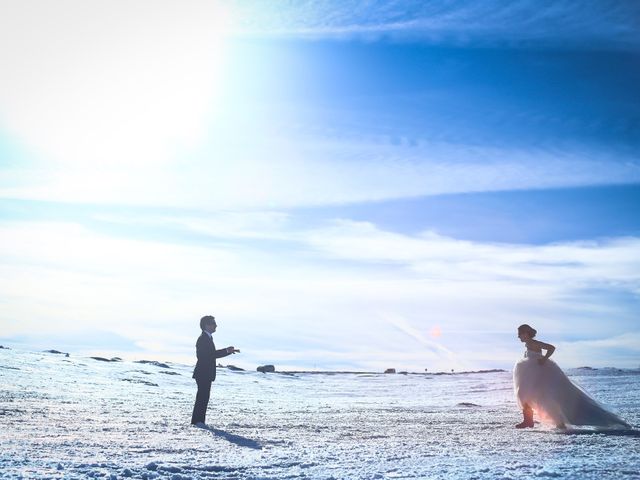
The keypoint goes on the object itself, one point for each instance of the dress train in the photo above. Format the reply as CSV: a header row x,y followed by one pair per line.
x,y
549,392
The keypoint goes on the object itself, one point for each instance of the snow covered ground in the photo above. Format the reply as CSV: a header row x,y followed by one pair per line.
x,y
73,417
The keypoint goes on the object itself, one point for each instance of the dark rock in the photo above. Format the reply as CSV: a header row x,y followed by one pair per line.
x,y
169,373
467,404
493,370
2,347
57,352
102,359
586,368
144,382
153,362
170,469
266,368
11,411
390,370
235,369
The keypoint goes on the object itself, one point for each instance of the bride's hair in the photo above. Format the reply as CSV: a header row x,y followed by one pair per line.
x,y
527,329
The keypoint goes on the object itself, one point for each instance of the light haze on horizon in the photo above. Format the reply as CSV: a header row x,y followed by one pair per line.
x,y
343,187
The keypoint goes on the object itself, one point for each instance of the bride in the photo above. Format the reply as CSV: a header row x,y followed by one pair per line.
x,y
542,387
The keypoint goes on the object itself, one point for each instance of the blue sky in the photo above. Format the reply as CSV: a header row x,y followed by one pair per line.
x,y
344,185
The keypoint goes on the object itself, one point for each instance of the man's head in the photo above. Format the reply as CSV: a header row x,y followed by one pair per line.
x,y
208,323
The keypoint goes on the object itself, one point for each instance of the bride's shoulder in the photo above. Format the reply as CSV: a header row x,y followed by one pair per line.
x,y
534,345
543,345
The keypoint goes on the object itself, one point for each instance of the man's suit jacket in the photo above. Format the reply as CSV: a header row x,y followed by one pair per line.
x,y
207,354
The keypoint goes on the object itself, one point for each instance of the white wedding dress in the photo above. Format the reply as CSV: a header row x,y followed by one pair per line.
x,y
555,398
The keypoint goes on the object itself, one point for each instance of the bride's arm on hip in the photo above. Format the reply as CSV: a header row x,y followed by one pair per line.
x,y
545,346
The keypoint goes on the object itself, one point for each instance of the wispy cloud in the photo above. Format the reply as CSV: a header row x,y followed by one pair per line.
x,y
416,334
561,23
301,173
347,287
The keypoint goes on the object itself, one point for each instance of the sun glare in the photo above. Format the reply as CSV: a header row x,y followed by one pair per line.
x,y
122,91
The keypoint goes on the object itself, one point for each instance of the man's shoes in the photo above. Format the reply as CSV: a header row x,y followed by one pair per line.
x,y
200,425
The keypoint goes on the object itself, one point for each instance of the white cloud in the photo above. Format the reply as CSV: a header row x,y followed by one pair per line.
x,y
228,224
614,260
348,288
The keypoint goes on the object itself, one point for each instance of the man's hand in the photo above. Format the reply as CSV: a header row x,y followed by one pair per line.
x,y
232,350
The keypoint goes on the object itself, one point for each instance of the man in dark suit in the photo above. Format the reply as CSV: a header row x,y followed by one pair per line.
x,y
205,371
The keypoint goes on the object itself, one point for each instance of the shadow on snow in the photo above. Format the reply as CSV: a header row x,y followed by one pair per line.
x,y
235,439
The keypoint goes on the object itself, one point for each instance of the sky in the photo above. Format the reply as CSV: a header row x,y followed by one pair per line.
x,y
344,185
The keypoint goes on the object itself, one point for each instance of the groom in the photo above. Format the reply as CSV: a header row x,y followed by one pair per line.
x,y
205,371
